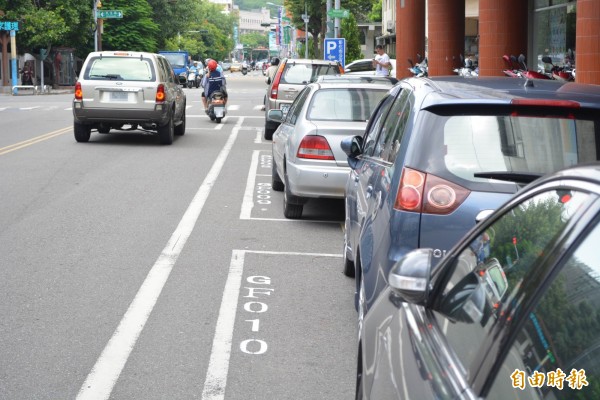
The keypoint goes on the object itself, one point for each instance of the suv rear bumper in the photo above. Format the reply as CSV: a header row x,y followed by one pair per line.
x,y
158,115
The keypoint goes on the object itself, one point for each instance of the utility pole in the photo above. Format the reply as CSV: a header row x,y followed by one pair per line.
x,y
306,17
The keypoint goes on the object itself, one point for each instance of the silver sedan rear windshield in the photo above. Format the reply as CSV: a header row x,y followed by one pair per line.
x,y
120,68
344,104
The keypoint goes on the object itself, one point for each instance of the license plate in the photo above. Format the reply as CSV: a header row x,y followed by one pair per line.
x,y
219,112
119,96
285,108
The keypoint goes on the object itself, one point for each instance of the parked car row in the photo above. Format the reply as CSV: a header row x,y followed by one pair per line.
x,y
469,250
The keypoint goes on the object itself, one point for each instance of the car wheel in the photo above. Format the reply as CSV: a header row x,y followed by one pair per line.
x,y
180,129
349,269
276,182
82,132
291,208
166,132
269,132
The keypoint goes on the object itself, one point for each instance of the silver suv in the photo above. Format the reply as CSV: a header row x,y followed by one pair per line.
x,y
291,77
123,90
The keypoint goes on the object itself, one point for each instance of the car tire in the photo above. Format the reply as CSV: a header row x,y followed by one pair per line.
x,y
269,132
359,380
349,268
82,132
166,132
180,129
276,182
292,207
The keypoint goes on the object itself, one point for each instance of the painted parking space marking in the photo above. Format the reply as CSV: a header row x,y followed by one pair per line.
x,y
261,203
259,289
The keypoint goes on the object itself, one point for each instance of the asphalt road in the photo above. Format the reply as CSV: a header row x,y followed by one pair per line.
x,y
132,270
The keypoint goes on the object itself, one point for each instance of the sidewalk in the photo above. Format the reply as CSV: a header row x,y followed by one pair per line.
x,y
7,91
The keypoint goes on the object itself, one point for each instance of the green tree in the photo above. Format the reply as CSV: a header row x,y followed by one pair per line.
x,y
350,33
135,31
174,18
376,11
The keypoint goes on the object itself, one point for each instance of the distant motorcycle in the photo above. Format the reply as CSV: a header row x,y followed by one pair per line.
x,y
244,68
216,106
192,79
564,73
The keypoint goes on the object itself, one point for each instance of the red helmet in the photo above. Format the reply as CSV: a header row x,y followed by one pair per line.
x,y
212,65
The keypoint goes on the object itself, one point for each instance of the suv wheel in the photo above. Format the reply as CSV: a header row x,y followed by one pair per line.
x,y
349,269
82,132
180,129
166,132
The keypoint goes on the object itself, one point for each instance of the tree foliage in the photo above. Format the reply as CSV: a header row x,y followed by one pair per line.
x,y
147,25
350,33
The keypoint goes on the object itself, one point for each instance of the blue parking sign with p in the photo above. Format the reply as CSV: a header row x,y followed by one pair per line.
x,y
335,50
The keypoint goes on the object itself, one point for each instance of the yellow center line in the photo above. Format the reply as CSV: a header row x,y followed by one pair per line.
x,y
37,139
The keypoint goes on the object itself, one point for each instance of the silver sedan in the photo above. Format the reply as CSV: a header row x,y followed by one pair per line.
x,y
308,161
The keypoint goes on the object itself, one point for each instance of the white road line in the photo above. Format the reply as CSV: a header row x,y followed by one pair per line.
x,y
28,108
218,366
105,373
233,107
219,127
259,107
248,201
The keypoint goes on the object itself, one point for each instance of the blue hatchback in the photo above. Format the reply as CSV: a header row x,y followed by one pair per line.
x,y
440,154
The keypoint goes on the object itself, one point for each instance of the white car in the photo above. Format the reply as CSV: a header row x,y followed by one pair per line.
x,y
364,67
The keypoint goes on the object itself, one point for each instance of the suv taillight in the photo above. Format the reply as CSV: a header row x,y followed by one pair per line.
x,y
78,91
160,93
429,194
276,79
316,148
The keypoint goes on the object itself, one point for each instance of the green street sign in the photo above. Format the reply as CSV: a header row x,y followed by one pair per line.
x,y
340,13
109,14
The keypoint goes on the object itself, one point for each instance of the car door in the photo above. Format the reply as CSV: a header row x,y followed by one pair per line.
x,y
381,196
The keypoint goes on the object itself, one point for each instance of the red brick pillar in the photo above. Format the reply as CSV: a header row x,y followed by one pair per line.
x,y
587,45
502,30
446,35
410,34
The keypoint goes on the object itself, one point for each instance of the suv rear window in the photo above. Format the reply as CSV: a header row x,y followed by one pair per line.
x,y
121,68
303,74
471,144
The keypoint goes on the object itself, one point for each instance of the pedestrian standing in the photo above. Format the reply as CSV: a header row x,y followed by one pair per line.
x,y
381,62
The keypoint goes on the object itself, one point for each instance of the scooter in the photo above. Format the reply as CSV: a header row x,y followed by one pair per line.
x,y
564,73
191,79
468,69
526,73
216,106
244,68
419,69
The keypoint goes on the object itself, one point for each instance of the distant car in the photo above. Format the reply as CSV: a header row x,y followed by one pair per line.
x,y
365,67
118,88
236,66
308,161
290,79
440,154
226,65
430,335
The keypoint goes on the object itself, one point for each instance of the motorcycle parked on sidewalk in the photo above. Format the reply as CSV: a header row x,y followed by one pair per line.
x,y
560,73
468,69
216,106
420,68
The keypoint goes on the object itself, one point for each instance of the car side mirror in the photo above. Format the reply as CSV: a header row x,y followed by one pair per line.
x,y
275,115
353,147
409,278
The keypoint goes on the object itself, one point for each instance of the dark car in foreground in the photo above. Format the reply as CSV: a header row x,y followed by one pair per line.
x,y
440,154
126,90
438,332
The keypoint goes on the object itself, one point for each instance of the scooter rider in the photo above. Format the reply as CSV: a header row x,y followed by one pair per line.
x,y
213,81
